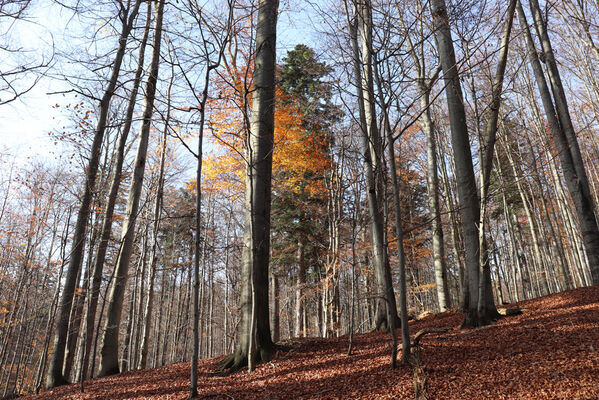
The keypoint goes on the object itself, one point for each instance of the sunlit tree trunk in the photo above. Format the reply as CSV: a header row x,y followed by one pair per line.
x,y
109,352
55,377
300,329
106,230
477,312
567,143
361,25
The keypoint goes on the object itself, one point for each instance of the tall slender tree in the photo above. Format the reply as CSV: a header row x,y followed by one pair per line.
x,y
254,328
477,312
110,340
106,230
570,155
55,374
361,28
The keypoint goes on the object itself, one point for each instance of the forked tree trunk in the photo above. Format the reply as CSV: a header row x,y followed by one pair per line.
x,y
92,301
110,345
468,197
254,328
55,377
362,26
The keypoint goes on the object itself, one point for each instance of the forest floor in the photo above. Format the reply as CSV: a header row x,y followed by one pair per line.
x,y
550,351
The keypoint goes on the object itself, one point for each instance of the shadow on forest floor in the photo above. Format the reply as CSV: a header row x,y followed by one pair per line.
x,y
550,351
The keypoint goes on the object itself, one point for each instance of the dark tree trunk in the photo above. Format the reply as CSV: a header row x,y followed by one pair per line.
x,y
254,329
468,197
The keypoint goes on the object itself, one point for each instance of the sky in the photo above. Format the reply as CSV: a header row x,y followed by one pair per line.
x,y
26,122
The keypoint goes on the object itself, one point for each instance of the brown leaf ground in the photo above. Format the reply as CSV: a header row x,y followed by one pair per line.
x,y
551,351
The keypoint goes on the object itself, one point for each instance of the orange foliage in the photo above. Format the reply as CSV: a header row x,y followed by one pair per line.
x,y
296,153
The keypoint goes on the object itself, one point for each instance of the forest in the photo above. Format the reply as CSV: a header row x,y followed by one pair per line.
x,y
348,199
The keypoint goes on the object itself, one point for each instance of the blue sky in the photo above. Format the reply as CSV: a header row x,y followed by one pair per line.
x,y
25,123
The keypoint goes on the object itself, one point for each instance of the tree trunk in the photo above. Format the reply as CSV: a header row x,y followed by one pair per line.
x,y
567,144
256,249
55,377
276,321
373,168
477,314
109,352
110,204
300,329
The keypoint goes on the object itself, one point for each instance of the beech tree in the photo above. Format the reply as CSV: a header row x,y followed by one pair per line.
x,y
477,305
109,354
254,333
361,25
55,377
561,126
461,169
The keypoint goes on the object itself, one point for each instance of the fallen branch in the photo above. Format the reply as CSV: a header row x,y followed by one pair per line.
x,y
420,378
482,328
416,339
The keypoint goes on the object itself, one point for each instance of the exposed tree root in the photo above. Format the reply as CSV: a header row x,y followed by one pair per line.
x,y
239,359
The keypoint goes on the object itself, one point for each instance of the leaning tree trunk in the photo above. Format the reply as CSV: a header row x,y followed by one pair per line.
x,y
55,376
149,303
92,301
575,174
109,353
466,182
254,328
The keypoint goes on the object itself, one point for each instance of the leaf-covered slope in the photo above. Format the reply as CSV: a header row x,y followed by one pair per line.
x,y
551,351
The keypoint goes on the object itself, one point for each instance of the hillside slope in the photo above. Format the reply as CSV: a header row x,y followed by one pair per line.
x,y
551,351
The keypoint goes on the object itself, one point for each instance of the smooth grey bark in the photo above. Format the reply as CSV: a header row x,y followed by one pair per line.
x,y
149,303
362,26
424,85
106,229
575,174
55,376
300,329
477,312
432,184
109,353
486,302
491,128
193,390
401,257
254,327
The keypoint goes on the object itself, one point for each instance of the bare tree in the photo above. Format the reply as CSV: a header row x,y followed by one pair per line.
x,y
254,332
55,377
477,309
110,344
